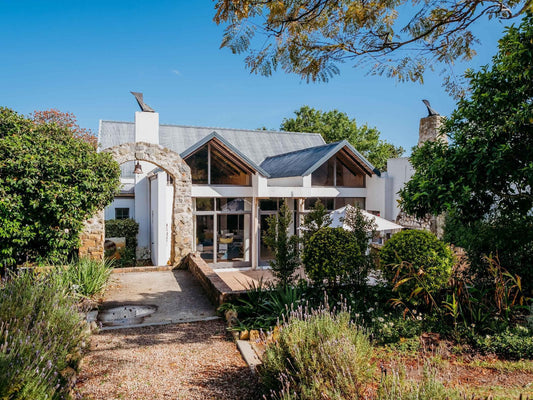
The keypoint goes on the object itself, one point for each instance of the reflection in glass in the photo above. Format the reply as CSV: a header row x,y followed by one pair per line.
x,y
204,236
327,202
233,243
233,204
324,175
353,201
198,164
204,204
264,252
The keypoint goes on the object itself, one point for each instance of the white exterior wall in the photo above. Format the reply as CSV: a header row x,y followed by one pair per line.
x,y
161,218
399,171
286,182
375,196
120,202
142,213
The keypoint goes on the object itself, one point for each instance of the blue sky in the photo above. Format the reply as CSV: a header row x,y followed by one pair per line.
x,y
85,57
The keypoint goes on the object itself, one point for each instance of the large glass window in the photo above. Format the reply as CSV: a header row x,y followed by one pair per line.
x,y
205,236
223,228
267,208
198,164
215,165
226,172
346,177
325,174
338,171
333,203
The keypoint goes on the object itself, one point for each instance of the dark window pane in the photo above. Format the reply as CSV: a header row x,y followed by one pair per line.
x,y
233,205
268,205
323,176
204,204
122,213
353,201
198,164
226,172
204,236
327,202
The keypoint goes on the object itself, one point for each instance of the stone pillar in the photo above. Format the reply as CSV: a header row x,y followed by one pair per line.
x,y
92,237
429,129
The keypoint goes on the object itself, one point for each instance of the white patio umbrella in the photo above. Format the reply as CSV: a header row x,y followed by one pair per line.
x,y
337,218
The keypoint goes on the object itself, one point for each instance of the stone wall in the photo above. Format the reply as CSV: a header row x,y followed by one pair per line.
x,y
172,163
92,237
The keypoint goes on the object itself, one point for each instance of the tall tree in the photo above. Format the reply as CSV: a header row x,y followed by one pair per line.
x,y
50,183
310,38
335,125
484,178
66,120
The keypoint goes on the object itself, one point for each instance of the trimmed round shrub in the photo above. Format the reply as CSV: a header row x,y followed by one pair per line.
x,y
334,255
419,257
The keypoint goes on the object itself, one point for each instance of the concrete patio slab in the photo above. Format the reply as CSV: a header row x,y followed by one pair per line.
x,y
176,295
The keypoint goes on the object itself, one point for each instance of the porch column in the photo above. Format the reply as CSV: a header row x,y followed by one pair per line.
x,y
254,259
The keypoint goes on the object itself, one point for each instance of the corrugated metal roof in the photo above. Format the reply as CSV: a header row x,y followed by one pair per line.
x,y
255,145
229,146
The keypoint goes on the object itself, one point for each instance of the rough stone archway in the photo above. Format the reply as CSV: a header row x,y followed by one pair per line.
x,y
173,164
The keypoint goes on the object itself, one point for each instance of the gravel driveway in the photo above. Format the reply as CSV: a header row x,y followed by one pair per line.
x,y
183,361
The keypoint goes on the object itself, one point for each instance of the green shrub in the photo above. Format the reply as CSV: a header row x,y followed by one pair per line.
x,y
127,228
265,304
284,246
50,183
416,263
318,355
86,277
513,343
334,255
42,334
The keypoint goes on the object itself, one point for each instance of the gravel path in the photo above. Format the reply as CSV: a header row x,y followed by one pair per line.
x,y
183,361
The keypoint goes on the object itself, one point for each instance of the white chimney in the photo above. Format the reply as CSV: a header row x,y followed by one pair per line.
x,y
147,127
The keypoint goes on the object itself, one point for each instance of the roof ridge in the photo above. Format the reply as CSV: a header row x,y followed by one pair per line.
x,y
219,127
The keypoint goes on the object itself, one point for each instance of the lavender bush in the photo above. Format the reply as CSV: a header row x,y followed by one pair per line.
x,y
319,354
42,335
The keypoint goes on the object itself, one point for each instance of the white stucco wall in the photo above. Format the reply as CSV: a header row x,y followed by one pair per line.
x,y
399,171
286,182
375,196
147,127
120,202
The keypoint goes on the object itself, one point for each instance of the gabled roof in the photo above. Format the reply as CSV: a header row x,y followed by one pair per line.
x,y
255,145
218,139
306,161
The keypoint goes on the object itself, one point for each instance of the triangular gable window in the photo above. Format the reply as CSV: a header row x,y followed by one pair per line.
x,y
339,170
213,164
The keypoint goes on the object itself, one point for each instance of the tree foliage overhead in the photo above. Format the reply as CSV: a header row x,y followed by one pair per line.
x,y
484,178
335,125
310,38
488,165
50,183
